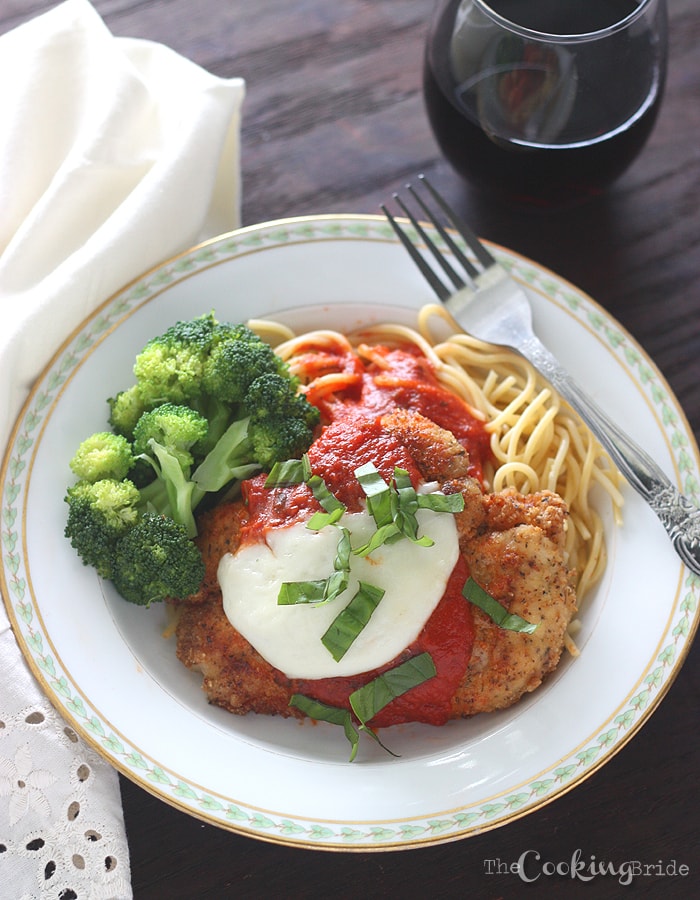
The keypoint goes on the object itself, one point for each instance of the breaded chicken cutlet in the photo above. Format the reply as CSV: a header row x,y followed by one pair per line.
x,y
513,545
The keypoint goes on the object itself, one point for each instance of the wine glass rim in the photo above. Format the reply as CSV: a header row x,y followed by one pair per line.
x,y
619,25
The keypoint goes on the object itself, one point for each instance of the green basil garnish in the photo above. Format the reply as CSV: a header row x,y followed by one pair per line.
x,y
293,592
394,506
407,509
333,508
348,624
289,472
377,492
441,503
323,590
475,594
368,700
322,493
322,712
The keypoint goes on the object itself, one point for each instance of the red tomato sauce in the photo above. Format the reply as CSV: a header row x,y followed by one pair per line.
x,y
351,437
341,448
405,379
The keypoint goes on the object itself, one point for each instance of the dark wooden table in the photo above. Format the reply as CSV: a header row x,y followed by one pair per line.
x,y
334,122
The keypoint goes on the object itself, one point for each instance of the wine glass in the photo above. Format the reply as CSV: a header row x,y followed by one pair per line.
x,y
544,102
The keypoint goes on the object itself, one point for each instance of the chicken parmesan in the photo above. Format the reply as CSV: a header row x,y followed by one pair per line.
x,y
470,590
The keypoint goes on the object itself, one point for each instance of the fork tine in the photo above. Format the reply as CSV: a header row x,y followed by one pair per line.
x,y
447,238
454,276
484,258
427,271
473,242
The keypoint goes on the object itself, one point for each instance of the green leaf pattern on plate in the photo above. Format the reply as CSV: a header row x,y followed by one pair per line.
x,y
222,809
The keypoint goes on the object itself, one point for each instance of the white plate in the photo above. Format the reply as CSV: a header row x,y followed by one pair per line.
x,y
107,668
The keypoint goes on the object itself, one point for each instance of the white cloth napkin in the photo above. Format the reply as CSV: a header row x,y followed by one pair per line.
x,y
116,154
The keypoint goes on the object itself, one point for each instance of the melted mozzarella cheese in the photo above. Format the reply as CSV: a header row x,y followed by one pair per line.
x,y
414,579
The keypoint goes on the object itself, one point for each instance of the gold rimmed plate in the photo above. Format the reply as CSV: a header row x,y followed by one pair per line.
x,y
110,671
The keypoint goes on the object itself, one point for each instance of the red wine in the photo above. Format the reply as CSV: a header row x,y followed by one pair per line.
x,y
537,125
564,16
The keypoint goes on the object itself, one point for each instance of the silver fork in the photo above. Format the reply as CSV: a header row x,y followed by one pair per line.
x,y
490,305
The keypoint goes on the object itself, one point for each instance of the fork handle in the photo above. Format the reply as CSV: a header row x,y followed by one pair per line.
x,y
679,516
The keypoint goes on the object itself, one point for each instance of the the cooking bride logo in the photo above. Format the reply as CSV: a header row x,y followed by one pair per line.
x,y
531,866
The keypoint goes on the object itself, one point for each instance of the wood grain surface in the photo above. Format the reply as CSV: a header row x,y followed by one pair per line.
x,y
333,123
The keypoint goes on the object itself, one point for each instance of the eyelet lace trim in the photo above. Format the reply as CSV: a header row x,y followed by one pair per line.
x,y
61,823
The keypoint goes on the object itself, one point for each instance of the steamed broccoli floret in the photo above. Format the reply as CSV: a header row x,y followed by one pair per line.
x,y
214,368
148,557
177,428
165,437
102,455
125,409
180,366
155,561
281,421
235,364
171,366
99,515
172,492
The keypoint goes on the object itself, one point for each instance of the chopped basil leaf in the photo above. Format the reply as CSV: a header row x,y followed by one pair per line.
x,y
334,509
323,590
289,472
370,479
319,520
475,594
321,492
298,471
386,534
403,482
341,563
393,507
322,712
441,503
382,505
293,592
375,737
378,494
368,700
407,507
336,584
348,624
